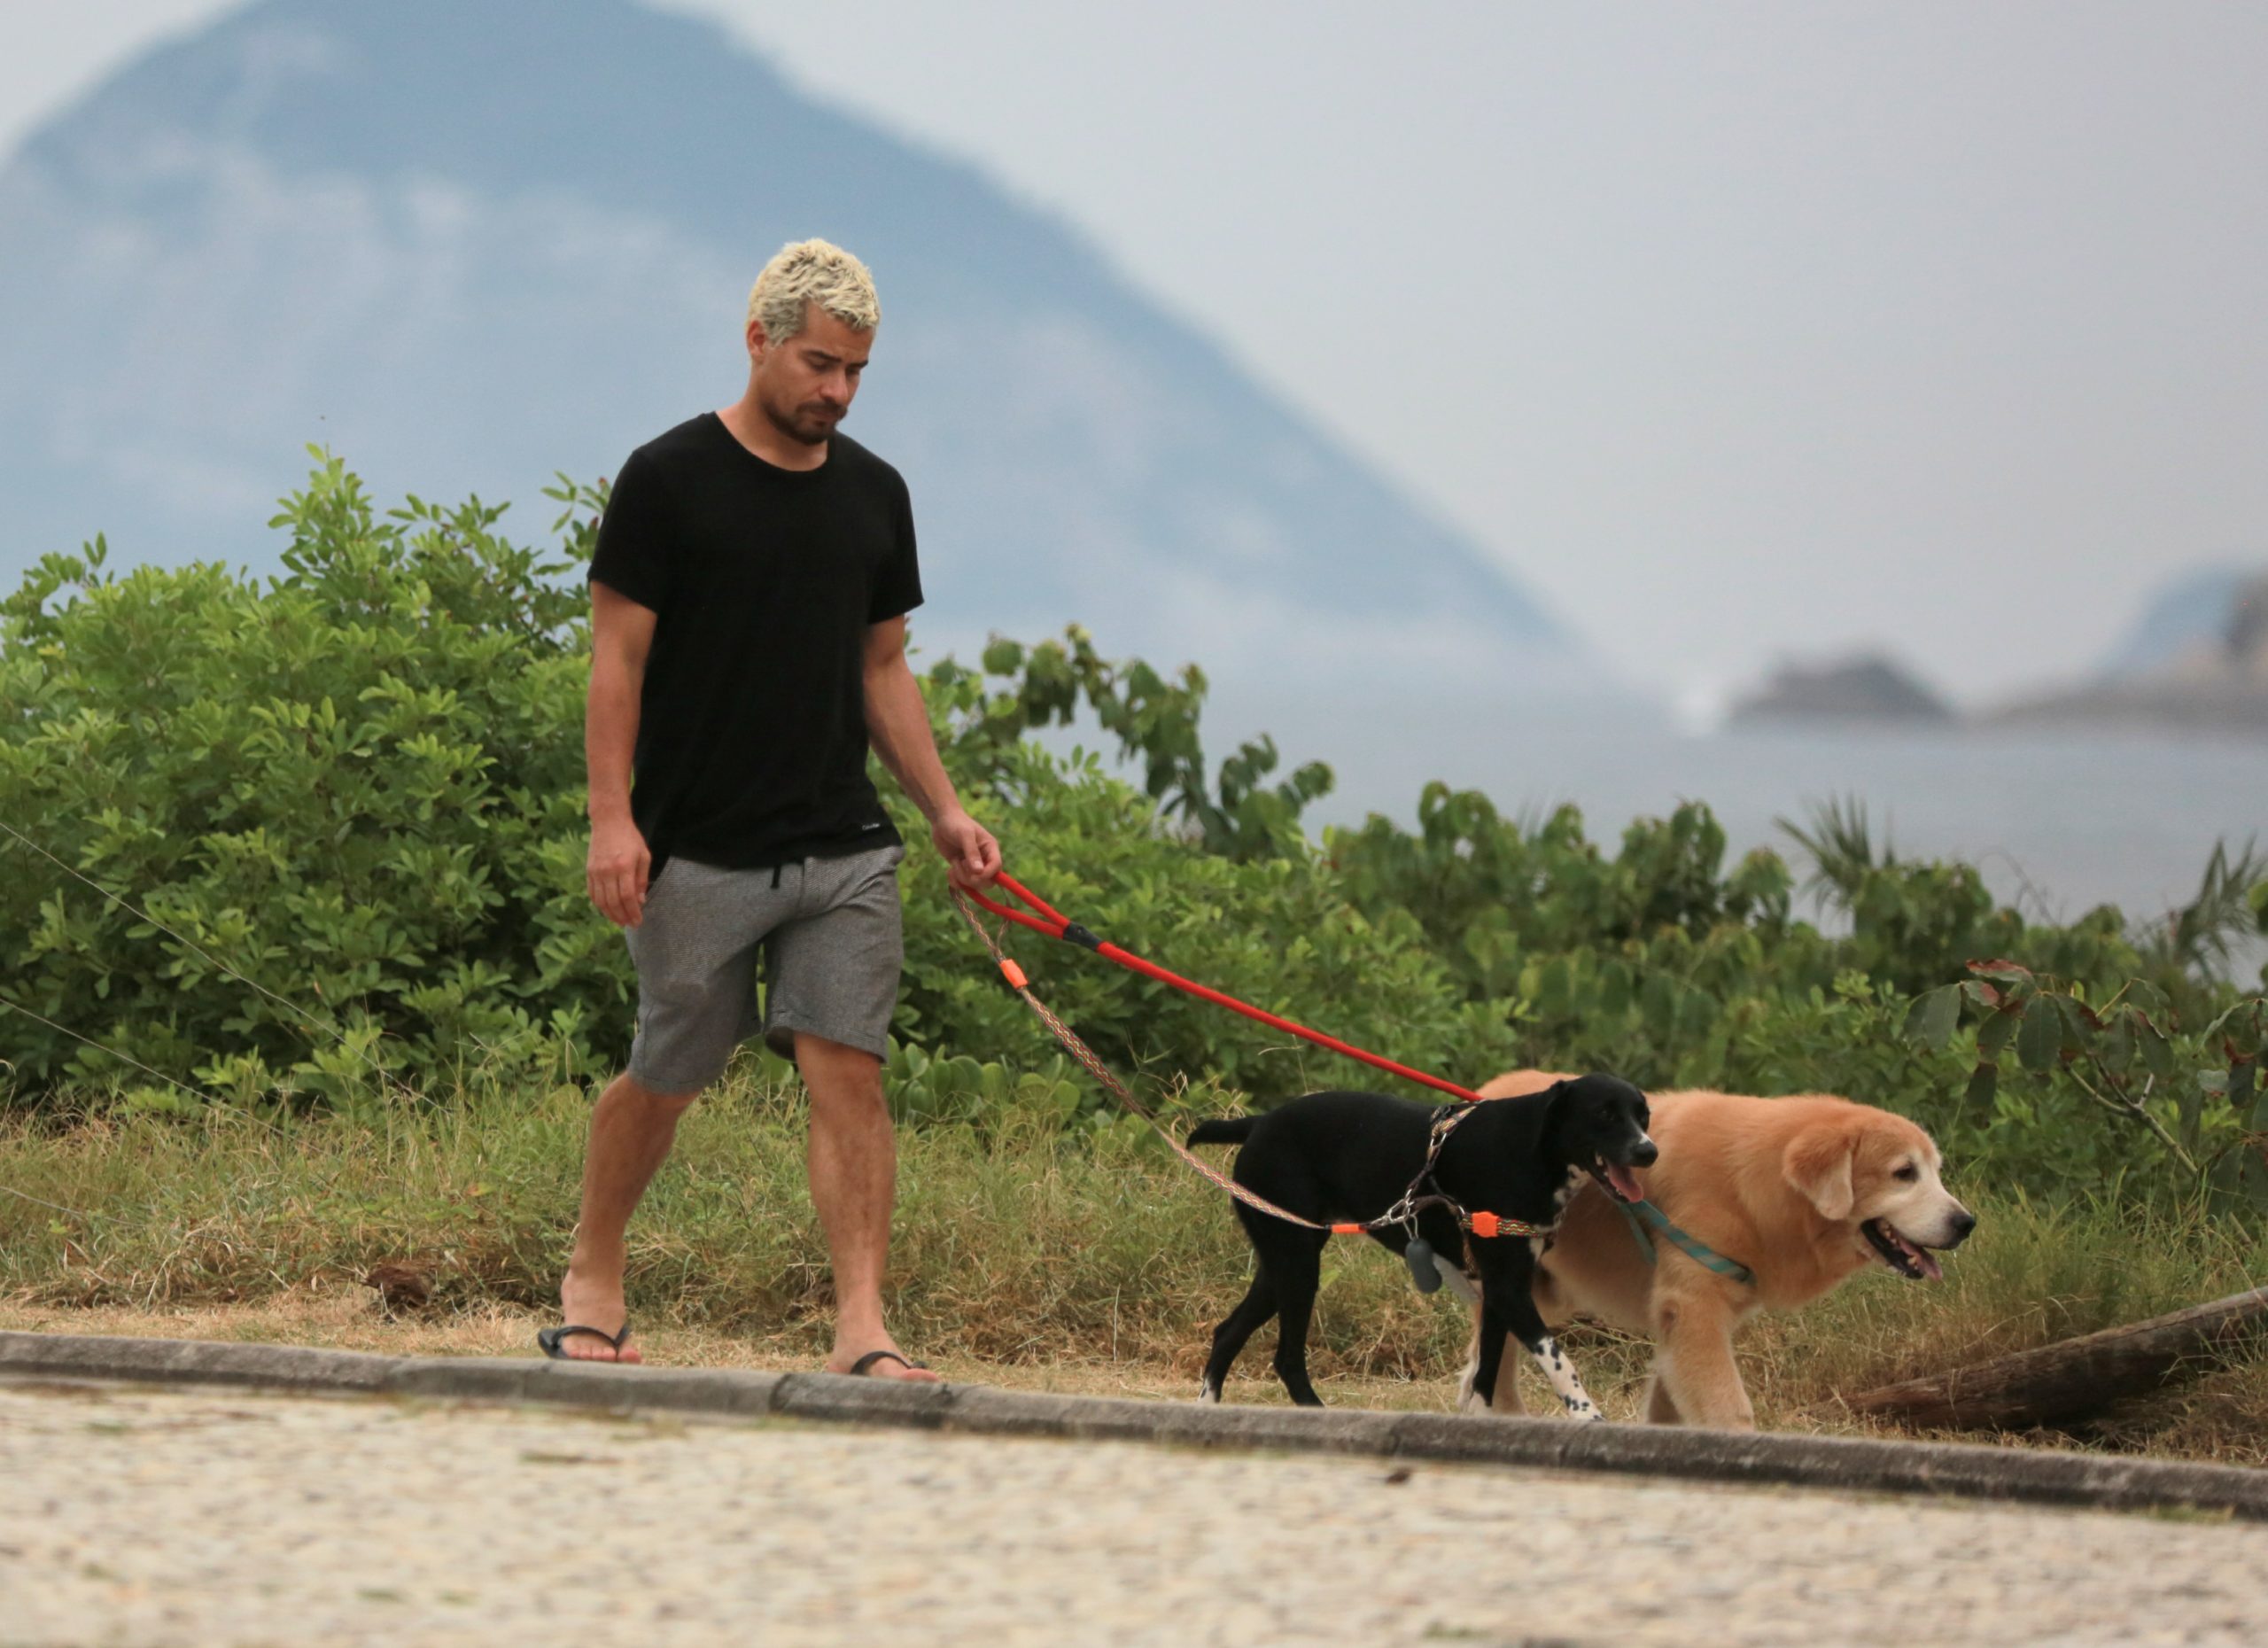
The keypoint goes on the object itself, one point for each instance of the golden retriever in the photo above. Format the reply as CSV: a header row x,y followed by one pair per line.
x,y
1803,1191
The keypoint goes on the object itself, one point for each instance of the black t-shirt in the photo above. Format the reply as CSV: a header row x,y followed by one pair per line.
x,y
751,728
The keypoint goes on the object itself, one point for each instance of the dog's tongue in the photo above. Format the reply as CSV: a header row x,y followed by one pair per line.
x,y
1925,1261
1625,1182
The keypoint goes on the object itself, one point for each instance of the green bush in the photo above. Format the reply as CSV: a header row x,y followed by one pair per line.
x,y
355,786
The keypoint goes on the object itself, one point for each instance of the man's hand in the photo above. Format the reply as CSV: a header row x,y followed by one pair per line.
x,y
616,870
972,857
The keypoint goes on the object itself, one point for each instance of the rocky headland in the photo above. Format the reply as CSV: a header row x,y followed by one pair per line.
x,y
2202,670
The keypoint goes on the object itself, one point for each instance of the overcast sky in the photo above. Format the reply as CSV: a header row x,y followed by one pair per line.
x,y
1736,330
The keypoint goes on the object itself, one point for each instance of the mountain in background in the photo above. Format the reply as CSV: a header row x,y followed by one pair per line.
x,y
465,244
2197,662
2188,612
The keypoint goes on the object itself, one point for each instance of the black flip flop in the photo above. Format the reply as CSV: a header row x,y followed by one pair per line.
x,y
549,1338
859,1369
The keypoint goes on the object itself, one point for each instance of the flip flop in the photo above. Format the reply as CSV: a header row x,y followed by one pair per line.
x,y
549,1339
860,1369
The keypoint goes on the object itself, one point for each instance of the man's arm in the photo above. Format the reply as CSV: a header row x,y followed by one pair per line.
x,y
622,634
898,723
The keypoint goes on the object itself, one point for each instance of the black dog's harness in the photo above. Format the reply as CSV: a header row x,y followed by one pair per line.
x,y
1417,1253
1424,1192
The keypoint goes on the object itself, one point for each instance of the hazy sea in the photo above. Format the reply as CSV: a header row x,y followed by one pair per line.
x,y
2062,820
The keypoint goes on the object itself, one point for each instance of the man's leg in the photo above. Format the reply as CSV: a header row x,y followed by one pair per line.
x,y
853,1165
632,1127
694,951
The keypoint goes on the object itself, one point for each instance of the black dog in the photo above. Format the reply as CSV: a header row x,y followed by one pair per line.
x,y
1348,1156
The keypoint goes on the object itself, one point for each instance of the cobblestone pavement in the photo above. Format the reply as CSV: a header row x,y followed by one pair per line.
x,y
145,1518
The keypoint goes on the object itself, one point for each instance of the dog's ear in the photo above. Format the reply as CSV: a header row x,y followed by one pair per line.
x,y
1818,1163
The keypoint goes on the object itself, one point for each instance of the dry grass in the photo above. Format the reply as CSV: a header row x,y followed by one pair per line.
x,y
1025,1259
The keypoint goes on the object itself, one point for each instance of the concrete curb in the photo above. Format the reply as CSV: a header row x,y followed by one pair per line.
x,y
1852,1465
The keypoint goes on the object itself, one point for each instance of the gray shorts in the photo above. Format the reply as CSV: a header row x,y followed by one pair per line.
x,y
831,939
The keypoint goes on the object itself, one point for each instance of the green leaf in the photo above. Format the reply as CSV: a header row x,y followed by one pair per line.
x,y
2152,1001
2116,1051
2189,1105
1992,1034
2039,1040
1930,1020
2157,1052
2080,1027
1983,1082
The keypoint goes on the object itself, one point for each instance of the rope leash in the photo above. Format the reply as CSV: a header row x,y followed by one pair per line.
x,y
1404,1211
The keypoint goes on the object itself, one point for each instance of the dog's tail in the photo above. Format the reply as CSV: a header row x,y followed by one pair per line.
x,y
1222,1130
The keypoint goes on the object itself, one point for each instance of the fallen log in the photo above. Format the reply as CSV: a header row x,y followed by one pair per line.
x,y
2072,1379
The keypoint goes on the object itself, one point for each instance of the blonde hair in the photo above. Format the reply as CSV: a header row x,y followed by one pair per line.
x,y
812,271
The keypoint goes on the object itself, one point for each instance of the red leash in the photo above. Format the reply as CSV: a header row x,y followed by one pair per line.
x,y
1404,1212
1055,925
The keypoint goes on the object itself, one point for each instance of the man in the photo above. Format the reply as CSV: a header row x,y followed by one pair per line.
x,y
748,639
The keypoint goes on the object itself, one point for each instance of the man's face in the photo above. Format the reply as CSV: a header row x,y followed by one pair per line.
x,y
804,385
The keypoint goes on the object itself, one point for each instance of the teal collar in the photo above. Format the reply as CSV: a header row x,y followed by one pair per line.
x,y
1644,1216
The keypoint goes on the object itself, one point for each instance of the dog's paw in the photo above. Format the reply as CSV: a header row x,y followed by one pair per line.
x,y
1209,1395
1469,1401
1465,1379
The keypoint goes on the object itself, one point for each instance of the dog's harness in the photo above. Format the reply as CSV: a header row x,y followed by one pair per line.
x,y
1418,1198
1644,1216
1417,1253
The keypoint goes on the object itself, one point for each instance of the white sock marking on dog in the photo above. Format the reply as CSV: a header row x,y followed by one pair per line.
x,y
1561,1372
1208,1392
